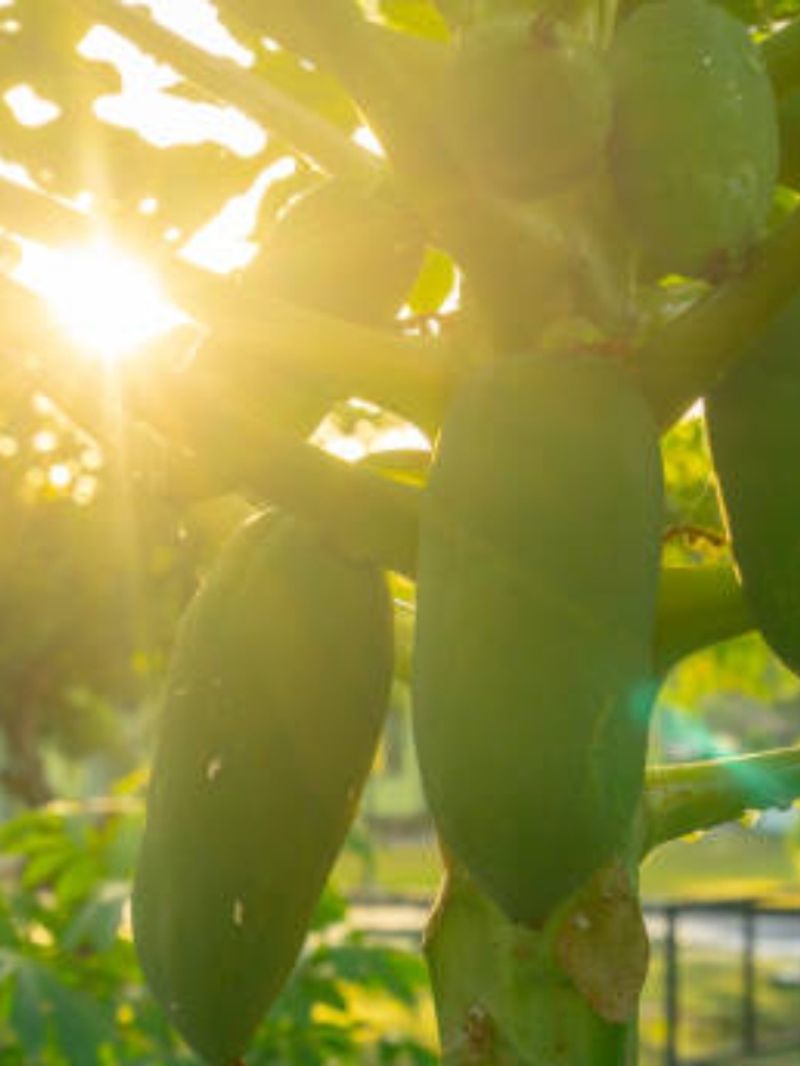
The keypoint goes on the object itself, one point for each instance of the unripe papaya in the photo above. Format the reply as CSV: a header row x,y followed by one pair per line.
x,y
342,249
694,149
754,431
538,570
528,105
276,695
789,122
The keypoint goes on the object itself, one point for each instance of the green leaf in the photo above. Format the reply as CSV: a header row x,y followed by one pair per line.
x,y
28,1019
434,283
81,1025
419,17
96,924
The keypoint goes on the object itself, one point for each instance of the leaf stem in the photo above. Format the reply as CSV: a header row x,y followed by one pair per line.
x,y
366,515
687,797
310,135
410,376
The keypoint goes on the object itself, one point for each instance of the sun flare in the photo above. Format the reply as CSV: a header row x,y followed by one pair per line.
x,y
108,303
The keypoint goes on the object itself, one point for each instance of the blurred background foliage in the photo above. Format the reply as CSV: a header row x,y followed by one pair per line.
x,y
157,133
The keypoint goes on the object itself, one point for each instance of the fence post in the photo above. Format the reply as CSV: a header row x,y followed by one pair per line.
x,y
749,1016
671,989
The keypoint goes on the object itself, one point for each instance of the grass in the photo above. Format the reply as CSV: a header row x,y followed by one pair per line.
x,y
726,863
730,862
710,1017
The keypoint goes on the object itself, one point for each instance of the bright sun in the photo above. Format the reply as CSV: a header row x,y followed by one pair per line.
x,y
108,303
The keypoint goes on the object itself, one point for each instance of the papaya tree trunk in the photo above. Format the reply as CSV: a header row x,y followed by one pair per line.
x,y
503,995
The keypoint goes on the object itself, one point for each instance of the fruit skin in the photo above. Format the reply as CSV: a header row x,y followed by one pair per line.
x,y
528,106
276,696
533,667
343,249
789,121
694,149
755,442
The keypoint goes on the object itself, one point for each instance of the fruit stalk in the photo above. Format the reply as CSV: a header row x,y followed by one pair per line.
x,y
683,360
697,606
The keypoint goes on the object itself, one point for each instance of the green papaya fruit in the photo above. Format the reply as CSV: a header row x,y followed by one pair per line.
x,y
789,120
754,431
275,699
537,579
343,249
694,147
528,106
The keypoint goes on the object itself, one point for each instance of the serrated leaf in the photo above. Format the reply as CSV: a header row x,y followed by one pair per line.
x,y
96,924
28,1019
81,1025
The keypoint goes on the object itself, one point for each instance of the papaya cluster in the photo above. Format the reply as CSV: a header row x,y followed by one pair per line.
x,y
678,113
534,667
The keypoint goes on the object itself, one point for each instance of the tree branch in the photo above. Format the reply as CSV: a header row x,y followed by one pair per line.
x,y
781,54
684,798
697,606
395,79
309,135
683,360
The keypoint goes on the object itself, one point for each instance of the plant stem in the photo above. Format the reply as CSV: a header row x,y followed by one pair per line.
x,y
395,82
781,54
365,515
501,997
697,606
685,798
310,135
683,360
412,377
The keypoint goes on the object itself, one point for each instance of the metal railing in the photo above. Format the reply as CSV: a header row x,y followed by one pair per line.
x,y
748,911
402,918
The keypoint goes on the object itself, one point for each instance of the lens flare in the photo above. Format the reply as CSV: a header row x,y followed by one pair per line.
x,y
109,304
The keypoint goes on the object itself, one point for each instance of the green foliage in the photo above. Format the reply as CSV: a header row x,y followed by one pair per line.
x,y
186,181
272,714
515,147
422,18
534,639
90,600
71,990
695,200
